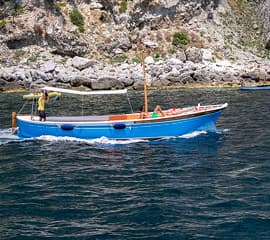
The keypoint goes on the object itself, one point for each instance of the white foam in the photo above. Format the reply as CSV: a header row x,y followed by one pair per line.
x,y
225,130
6,136
193,134
186,136
101,140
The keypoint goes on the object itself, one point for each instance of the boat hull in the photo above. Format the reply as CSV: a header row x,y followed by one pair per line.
x,y
123,129
259,87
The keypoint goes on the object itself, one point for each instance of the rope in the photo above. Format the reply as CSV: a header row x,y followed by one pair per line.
x,y
82,106
33,107
129,103
22,107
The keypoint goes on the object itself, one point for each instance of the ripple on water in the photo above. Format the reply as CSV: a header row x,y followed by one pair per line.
x,y
197,186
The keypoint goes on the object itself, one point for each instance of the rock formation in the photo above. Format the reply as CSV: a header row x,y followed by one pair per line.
x,y
99,43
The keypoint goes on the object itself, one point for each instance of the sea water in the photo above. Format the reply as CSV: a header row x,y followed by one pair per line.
x,y
203,185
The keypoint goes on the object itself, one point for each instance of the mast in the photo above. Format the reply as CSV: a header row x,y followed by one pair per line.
x,y
145,87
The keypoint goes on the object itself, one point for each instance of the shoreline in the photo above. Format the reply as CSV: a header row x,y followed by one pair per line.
x,y
192,86
170,74
187,86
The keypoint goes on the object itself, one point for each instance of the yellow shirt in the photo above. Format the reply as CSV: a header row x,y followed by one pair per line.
x,y
41,104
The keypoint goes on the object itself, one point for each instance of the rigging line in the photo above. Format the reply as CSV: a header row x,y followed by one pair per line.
x,y
34,108
129,103
22,107
82,106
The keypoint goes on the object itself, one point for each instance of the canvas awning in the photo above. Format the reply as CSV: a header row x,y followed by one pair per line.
x,y
99,92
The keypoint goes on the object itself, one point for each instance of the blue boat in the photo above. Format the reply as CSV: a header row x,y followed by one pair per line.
x,y
258,87
173,122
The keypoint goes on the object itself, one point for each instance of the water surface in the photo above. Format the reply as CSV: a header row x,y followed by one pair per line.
x,y
197,186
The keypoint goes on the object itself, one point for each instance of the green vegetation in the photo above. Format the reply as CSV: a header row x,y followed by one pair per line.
x,y
33,58
77,19
3,23
123,6
180,39
19,53
136,59
238,4
244,23
6,2
267,54
119,59
157,55
18,9
59,5
62,61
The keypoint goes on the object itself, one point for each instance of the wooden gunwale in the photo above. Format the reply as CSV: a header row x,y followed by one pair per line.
x,y
176,117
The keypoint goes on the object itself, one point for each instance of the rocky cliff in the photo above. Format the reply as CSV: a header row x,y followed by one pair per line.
x,y
196,33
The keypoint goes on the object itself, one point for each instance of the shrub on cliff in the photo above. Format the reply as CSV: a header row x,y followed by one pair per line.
x,y
59,5
123,6
180,38
3,23
77,19
18,9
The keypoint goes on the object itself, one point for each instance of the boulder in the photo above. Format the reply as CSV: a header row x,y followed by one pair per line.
x,y
194,54
267,43
174,61
207,55
106,83
2,84
81,63
66,44
79,80
48,66
149,60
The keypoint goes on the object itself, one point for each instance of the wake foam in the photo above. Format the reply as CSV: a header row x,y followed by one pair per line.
x,y
101,140
6,136
193,134
107,141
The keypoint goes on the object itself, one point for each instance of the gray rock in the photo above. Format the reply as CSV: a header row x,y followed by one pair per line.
x,y
38,75
95,5
150,44
174,61
48,67
194,54
127,81
5,75
267,42
3,83
66,44
149,60
80,80
106,83
81,63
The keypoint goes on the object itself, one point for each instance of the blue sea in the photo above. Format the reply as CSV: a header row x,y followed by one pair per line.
x,y
203,185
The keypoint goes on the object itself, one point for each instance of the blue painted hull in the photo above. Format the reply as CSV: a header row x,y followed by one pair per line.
x,y
259,87
129,129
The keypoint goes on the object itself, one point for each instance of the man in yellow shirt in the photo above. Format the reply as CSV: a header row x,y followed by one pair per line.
x,y
41,106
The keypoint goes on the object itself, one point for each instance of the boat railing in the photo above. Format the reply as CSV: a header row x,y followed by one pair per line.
x,y
78,118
